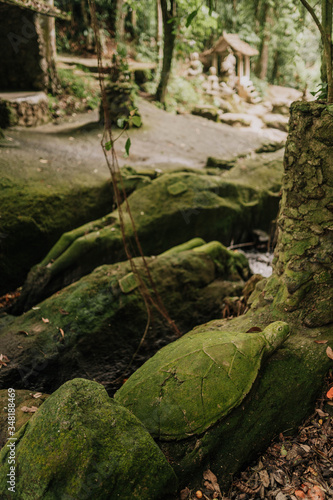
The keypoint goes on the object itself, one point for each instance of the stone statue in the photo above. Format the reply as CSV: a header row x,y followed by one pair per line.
x,y
228,69
195,68
212,85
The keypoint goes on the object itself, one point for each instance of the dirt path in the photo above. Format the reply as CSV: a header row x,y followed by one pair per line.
x,y
71,150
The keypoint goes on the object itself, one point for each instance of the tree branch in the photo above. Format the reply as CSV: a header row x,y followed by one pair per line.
x,y
315,18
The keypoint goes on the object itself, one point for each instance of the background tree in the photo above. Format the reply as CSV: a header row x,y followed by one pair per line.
x,y
325,28
169,13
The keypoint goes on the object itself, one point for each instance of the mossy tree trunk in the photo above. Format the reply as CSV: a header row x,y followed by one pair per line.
x,y
169,30
303,279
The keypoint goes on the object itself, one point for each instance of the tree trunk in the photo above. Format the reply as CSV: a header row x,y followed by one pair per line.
x,y
169,27
262,63
303,265
47,25
120,23
159,32
325,28
326,68
89,37
275,70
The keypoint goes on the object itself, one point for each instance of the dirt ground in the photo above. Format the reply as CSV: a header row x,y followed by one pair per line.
x,y
72,150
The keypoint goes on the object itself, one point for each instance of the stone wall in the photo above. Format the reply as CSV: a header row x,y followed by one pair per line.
x,y
23,64
26,110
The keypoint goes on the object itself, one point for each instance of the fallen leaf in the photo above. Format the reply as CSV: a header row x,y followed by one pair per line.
x,y
329,352
314,492
184,494
300,494
22,332
329,394
62,311
264,478
37,395
3,360
305,447
211,480
46,320
43,161
62,332
29,409
321,341
283,451
321,413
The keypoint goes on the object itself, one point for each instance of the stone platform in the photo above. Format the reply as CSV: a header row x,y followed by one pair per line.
x,y
26,108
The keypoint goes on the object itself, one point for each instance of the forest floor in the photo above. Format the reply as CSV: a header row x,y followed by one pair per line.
x,y
71,149
294,467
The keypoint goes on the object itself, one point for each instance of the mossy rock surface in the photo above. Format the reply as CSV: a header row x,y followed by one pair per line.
x,y
24,400
93,327
34,214
82,444
171,210
192,383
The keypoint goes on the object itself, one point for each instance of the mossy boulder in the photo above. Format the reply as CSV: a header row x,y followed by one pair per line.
x,y
171,210
93,327
25,403
81,444
34,214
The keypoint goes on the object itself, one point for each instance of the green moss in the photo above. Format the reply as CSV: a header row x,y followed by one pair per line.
x,y
96,324
190,384
84,88
211,207
82,444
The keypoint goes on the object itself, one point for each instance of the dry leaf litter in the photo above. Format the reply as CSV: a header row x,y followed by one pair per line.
x,y
293,467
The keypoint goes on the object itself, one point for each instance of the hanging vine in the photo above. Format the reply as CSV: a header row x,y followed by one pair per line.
x,y
141,272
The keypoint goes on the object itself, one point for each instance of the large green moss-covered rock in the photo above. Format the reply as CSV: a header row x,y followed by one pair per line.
x,y
34,214
191,384
172,209
81,444
93,327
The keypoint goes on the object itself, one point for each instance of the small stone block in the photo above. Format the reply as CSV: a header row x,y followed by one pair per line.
x,y
128,283
177,188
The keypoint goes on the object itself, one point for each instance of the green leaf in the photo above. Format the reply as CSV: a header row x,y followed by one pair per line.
x,y
283,451
108,145
127,147
136,120
190,17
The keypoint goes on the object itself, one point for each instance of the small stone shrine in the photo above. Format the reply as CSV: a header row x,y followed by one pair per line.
x,y
230,56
